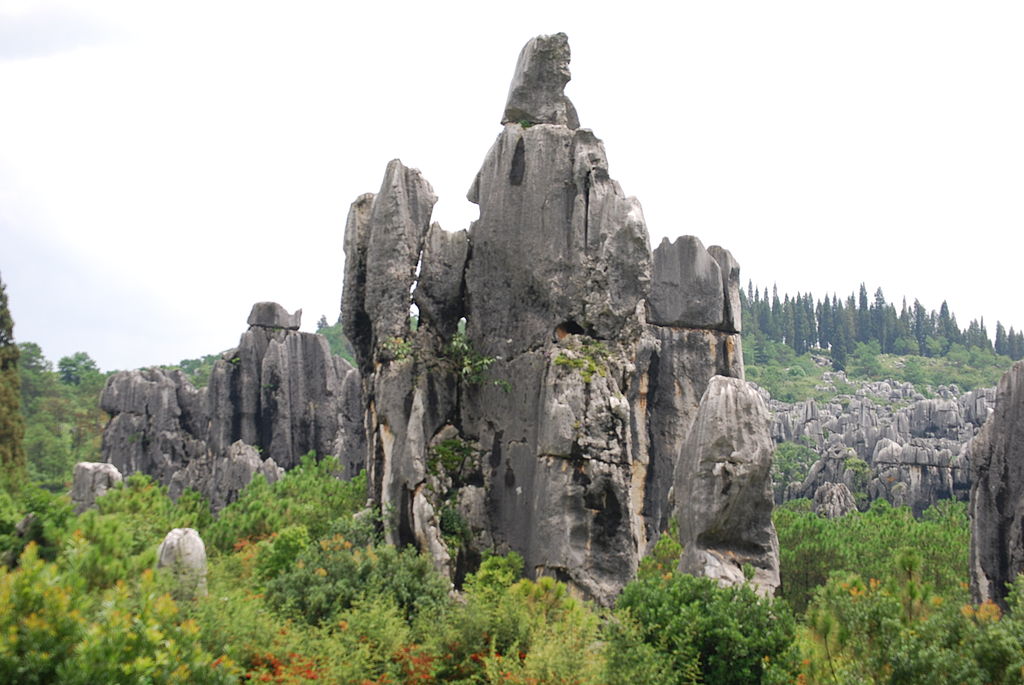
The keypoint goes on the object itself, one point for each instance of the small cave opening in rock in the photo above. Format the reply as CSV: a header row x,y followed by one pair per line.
x,y
608,518
567,328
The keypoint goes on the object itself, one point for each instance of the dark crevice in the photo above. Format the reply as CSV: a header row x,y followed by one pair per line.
x,y
586,210
518,171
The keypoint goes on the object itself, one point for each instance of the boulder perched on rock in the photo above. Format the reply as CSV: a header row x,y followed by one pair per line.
x,y
536,94
91,480
534,407
997,493
273,315
723,489
277,396
687,286
184,554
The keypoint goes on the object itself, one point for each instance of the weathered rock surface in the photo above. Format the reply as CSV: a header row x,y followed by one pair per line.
x,y
553,424
184,554
273,315
277,396
92,479
997,493
833,500
723,488
687,287
536,93
914,448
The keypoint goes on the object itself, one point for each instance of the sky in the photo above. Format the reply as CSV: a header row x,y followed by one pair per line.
x,y
164,165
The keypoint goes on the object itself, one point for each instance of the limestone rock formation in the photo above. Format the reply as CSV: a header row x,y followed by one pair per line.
x,y
997,493
535,96
273,315
687,288
92,479
534,407
723,488
833,500
184,554
277,396
913,449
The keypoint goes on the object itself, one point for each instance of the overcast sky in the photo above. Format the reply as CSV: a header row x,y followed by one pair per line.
x,y
165,165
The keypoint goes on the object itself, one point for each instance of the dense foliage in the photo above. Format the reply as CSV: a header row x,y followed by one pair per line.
x,y
812,547
12,425
63,421
302,588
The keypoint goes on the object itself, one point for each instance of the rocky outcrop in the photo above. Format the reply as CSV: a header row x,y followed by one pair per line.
x,y
723,489
91,480
833,500
183,553
277,396
535,95
997,493
900,446
541,401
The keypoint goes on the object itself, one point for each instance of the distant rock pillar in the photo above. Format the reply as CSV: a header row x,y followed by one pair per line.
x,y
723,489
184,553
833,500
91,480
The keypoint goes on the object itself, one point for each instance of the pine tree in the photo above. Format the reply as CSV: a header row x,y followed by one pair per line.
x,y
879,323
1002,342
1015,344
12,423
864,331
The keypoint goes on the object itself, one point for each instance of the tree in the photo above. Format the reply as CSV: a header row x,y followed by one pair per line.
x,y
864,330
12,423
694,627
77,368
1002,342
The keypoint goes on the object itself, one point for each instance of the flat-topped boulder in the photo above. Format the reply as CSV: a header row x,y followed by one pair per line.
x,y
273,315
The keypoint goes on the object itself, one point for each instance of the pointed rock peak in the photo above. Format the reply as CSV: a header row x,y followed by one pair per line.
x,y
536,95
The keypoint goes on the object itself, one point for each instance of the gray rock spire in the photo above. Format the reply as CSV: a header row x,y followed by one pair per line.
x,y
536,94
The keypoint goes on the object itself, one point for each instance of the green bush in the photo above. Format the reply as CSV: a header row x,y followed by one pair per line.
x,y
119,538
330,576
53,630
515,630
728,635
812,547
899,632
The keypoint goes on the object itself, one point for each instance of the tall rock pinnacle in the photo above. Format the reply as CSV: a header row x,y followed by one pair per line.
x,y
552,425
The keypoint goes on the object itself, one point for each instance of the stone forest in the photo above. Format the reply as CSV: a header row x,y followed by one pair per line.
x,y
546,439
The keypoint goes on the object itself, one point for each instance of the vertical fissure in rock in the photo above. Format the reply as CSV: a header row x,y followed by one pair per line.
x,y
518,171
586,211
